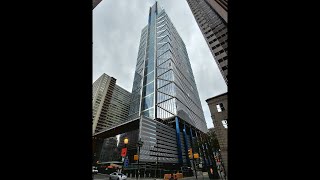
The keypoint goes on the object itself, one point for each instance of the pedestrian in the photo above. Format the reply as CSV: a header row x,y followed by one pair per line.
x,y
222,174
171,178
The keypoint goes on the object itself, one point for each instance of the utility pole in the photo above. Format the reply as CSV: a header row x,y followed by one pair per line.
x,y
140,143
191,157
125,141
194,166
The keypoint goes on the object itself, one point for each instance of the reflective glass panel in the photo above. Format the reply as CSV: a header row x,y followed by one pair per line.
x,y
148,89
147,102
148,78
148,113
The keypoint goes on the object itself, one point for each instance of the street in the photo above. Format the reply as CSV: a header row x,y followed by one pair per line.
x,y
101,176
105,177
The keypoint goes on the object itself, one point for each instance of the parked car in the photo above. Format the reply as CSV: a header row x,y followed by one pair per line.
x,y
117,176
94,170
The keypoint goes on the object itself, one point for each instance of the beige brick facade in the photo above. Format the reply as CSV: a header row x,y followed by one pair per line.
x,y
221,130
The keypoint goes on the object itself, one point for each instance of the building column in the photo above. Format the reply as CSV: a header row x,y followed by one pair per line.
x,y
178,141
185,138
96,148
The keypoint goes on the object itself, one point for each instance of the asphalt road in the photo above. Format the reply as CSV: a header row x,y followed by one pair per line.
x,y
101,177
106,177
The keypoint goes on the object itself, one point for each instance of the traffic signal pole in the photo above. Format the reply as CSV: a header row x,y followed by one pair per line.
x,y
191,157
140,143
138,163
195,168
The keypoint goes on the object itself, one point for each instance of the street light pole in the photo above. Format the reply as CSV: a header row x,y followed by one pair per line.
x,y
125,141
140,143
195,168
138,163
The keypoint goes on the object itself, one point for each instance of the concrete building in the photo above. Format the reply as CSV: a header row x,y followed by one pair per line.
x,y
110,150
220,7
211,17
165,98
95,3
218,106
110,103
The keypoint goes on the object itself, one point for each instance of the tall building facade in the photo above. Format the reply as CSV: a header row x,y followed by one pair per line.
x,y
164,84
110,150
218,106
211,17
110,103
95,3
165,96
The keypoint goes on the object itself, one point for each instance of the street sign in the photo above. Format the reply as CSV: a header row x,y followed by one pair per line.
x,y
124,152
126,162
139,143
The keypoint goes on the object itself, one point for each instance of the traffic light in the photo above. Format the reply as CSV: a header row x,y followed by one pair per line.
x,y
190,153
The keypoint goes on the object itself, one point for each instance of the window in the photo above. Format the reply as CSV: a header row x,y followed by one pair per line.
x,y
224,68
220,107
148,113
225,123
148,89
148,78
147,102
150,66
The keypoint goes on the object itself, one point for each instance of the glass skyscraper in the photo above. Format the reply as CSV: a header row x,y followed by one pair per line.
x,y
165,111
165,99
164,85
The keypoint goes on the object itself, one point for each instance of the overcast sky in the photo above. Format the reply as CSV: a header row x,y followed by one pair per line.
x,y
117,26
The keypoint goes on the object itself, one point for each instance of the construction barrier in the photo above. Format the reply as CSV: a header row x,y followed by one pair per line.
x,y
175,176
179,175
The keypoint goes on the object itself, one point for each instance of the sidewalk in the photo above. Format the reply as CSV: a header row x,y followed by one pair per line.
x,y
185,178
143,179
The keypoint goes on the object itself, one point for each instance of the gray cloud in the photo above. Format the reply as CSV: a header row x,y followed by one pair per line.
x,y
116,34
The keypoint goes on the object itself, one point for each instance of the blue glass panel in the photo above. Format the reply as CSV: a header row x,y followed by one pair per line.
x,y
147,102
148,78
148,113
149,67
148,89
178,141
